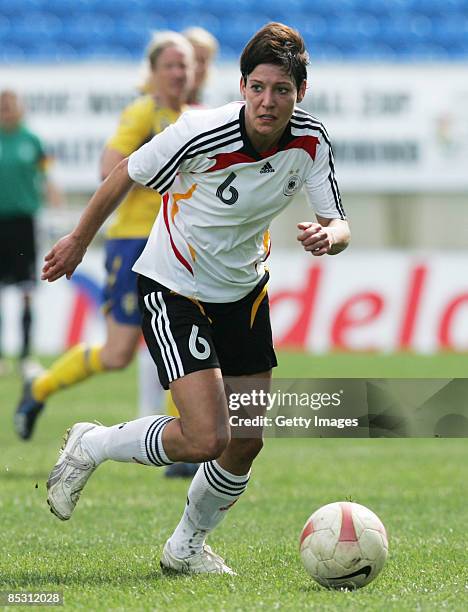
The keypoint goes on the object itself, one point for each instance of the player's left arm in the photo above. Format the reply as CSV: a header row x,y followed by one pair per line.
x,y
330,235
326,237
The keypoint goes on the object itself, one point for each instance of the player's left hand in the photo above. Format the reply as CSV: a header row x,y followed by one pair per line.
x,y
63,258
315,238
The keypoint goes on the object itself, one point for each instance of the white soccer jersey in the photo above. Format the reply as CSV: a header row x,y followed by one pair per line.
x,y
210,239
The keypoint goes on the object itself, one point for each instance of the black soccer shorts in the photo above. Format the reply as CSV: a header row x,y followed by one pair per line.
x,y
185,335
17,251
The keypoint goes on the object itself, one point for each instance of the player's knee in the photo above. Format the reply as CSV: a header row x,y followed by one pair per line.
x,y
212,446
117,359
117,362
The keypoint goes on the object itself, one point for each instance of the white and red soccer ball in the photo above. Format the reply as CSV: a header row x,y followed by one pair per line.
x,y
343,545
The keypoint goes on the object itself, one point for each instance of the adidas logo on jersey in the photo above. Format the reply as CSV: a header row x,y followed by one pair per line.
x,y
267,168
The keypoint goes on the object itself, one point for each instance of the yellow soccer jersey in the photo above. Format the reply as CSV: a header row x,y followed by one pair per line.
x,y
139,122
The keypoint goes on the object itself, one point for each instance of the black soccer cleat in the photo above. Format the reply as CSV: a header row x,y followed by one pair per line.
x,y
27,412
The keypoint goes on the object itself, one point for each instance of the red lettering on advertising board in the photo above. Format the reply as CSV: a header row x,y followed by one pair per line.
x,y
357,311
411,307
305,299
446,321
81,310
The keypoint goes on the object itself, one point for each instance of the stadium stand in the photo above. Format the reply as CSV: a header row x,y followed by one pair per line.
x,y
397,30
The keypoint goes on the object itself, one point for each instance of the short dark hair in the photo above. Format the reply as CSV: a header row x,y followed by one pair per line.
x,y
278,44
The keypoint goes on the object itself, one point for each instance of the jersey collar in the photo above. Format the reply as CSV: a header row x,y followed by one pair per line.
x,y
249,149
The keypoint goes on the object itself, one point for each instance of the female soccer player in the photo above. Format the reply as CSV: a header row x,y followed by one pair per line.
x,y
224,174
170,64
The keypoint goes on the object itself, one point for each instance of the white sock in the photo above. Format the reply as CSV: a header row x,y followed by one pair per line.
x,y
139,441
150,393
213,491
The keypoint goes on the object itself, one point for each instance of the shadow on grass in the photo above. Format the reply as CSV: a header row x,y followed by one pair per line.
x,y
36,579
28,579
311,587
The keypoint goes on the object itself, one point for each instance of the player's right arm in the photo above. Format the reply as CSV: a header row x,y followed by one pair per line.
x,y
68,252
330,235
133,130
155,165
109,160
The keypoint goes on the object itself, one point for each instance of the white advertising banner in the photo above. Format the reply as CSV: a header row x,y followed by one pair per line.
x,y
360,301
74,109
395,128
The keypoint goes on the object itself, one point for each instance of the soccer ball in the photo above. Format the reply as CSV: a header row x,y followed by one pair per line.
x,y
343,545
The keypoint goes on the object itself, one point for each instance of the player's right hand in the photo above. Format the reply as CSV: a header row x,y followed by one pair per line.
x,y
63,258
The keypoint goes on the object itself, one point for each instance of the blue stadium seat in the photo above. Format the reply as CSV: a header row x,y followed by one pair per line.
x,y
450,31
133,40
329,53
372,51
182,8
104,52
343,31
297,6
228,54
52,52
378,8
368,26
146,22
66,8
435,8
425,52
15,8
25,30
397,32
118,9
86,31
11,53
421,26
334,29
237,8
314,28
203,20
5,28
238,31
133,34
459,51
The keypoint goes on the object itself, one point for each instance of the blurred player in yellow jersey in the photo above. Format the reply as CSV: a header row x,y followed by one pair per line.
x,y
205,47
170,60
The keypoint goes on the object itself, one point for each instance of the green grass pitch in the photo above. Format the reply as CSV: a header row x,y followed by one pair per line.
x,y
107,555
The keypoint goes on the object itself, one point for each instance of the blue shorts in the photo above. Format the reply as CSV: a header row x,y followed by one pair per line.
x,y
120,294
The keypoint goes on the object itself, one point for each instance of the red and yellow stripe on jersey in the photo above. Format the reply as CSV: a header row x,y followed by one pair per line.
x,y
139,122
